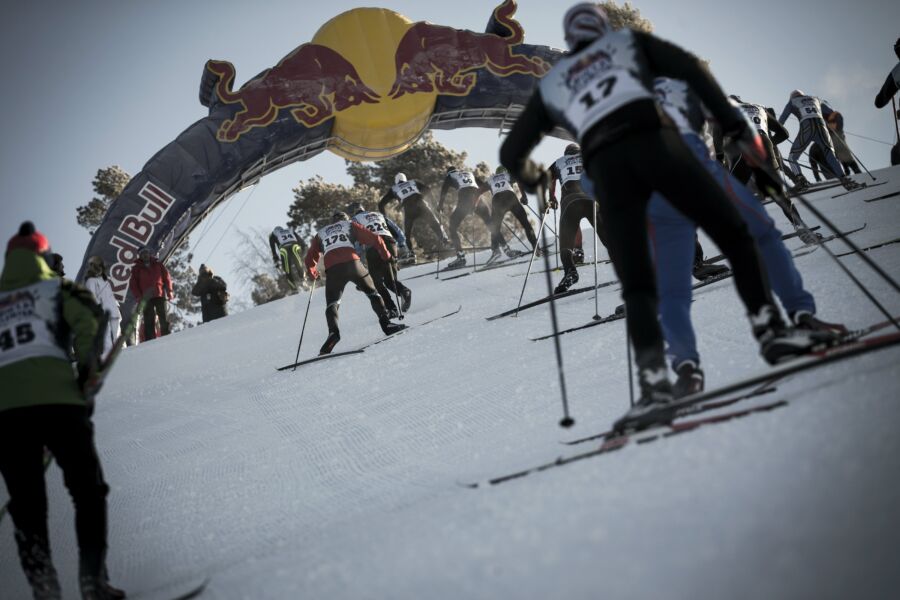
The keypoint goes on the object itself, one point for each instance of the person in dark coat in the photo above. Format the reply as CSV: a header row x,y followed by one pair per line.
x,y
213,295
150,279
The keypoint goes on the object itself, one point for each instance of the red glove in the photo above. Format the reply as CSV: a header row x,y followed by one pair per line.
x,y
314,272
747,142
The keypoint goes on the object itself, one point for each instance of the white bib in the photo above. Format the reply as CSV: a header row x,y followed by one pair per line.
x,y
569,168
336,235
285,236
500,183
807,107
757,114
28,317
405,190
374,222
463,179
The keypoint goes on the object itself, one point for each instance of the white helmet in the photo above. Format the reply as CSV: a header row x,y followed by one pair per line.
x,y
797,93
583,23
399,178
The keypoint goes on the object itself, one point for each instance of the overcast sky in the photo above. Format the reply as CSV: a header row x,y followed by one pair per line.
x,y
94,83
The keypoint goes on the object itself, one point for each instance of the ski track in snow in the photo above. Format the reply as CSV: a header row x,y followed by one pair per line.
x,y
339,480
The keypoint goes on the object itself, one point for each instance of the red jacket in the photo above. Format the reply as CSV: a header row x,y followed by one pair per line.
x,y
153,277
342,255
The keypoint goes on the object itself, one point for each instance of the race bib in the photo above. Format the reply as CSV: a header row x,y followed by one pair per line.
x,y
405,190
569,168
807,107
463,179
500,183
374,222
757,114
28,317
285,237
336,236
604,93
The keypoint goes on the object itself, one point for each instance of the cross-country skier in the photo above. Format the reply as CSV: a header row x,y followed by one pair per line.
x,y
506,197
601,92
383,272
43,406
97,283
468,199
891,82
342,265
411,196
673,248
287,254
812,112
575,205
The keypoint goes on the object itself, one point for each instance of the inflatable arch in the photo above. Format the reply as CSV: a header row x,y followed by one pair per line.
x,y
366,87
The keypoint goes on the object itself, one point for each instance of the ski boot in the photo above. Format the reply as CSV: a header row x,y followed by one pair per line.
x,y
850,185
391,328
800,183
703,271
578,256
568,280
330,342
494,257
655,404
803,319
34,555
690,379
393,313
512,253
459,262
778,342
98,588
406,294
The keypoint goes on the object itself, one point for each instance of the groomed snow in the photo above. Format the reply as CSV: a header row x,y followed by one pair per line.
x,y
340,480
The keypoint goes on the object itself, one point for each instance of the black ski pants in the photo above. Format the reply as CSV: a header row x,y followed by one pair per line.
x,y
415,208
625,174
383,272
575,207
155,308
67,432
338,276
467,202
501,204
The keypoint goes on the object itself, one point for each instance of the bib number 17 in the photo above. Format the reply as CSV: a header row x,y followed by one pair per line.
x,y
604,88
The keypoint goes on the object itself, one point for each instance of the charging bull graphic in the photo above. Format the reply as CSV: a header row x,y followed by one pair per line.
x,y
313,82
367,85
434,58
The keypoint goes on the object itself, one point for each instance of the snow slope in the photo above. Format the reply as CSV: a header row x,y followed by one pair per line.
x,y
340,480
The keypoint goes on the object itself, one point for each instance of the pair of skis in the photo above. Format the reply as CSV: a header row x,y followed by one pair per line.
x,y
362,349
856,343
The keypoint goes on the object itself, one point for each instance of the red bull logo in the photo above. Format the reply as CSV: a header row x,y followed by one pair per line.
x,y
377,74
434,58
313,82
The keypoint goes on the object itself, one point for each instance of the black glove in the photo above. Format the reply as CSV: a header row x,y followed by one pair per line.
x,y
532,177
746,141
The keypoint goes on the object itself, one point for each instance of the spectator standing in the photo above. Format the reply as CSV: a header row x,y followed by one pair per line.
x,y
150,279
213,294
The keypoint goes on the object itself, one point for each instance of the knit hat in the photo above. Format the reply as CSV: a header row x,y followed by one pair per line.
x,y
28,238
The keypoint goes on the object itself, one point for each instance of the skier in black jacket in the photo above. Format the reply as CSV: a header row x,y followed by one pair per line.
x,y
602,93
410,195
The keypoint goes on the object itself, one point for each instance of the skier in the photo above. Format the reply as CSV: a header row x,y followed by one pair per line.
x,y
342,264
600,93
287,254
43,406
97,283
891,82
150,279
575,205
213,293
468,199
504,199
812,112
410,194
673,235
383,272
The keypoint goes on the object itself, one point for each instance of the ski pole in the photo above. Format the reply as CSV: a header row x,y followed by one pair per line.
x,y
396,295
567,420
628,360
555,222
597,316
896,118
874,266
535,213
531,262
312,288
